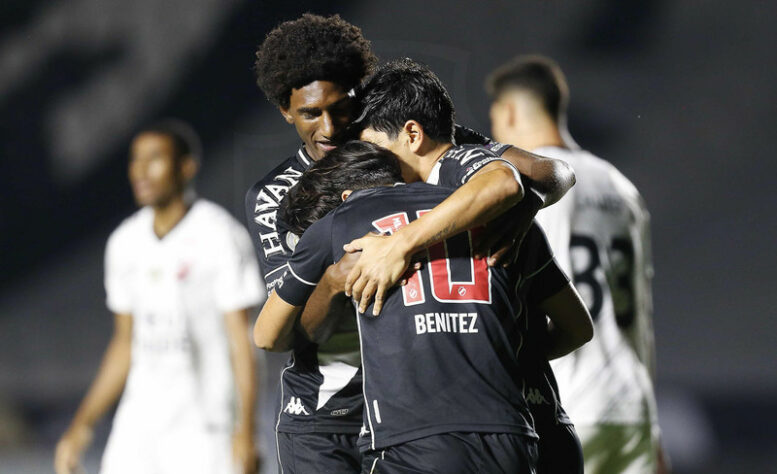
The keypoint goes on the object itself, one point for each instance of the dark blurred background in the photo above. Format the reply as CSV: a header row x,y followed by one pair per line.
x,y
679,95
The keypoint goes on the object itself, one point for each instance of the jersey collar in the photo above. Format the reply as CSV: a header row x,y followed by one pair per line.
x,y
304,159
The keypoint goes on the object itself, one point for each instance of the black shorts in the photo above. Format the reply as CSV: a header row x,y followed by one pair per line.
x,y
456,453
318,453
560,450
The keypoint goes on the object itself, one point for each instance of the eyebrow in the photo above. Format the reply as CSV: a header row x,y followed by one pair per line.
x,y
313,110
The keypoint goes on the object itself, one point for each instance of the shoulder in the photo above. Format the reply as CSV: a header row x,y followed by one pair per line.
x,y
466,153
133,226
214,220
287,173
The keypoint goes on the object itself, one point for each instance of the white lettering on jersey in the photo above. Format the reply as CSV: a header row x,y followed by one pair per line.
x,y
266,209
462,323
295,407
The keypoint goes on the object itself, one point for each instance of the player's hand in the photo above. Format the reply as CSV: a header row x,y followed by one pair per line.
x,y
244,453
502,237
383,261
337,274
67,456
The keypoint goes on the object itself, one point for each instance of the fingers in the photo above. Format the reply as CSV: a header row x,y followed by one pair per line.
x,y
353,277
379,295
486,241
366,295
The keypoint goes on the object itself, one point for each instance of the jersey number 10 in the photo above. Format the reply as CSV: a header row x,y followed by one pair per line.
x,y
444,289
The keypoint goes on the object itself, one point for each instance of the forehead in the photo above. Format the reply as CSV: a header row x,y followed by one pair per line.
x,y
152,142
374,136
317,94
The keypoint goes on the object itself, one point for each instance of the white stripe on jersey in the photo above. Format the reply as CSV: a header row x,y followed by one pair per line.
x,y
280,412
303,157
336,376
300,279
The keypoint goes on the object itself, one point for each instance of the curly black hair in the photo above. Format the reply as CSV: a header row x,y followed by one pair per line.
x,y
354,165
311,48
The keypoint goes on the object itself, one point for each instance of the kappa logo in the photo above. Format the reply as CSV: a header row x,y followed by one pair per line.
x,y
295,407
364,432
535,397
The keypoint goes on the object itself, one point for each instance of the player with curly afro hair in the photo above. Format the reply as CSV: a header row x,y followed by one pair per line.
x,y
306,67
334,51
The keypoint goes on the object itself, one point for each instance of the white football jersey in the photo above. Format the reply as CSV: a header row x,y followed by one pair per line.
x,y
599,233
177,290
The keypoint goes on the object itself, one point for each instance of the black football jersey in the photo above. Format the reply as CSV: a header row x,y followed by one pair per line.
x,y
442,356
320,386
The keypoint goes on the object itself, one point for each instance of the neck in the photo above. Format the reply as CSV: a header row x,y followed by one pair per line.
x,y
429,159
538,137
166,216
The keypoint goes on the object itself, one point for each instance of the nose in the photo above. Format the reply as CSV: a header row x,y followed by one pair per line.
x,y
327,126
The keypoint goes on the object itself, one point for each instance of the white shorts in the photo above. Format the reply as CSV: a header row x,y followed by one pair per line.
x,y
183,447
615,448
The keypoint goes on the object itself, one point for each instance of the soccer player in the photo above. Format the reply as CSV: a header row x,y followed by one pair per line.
x,y
180,277
306,67
600,232
442,384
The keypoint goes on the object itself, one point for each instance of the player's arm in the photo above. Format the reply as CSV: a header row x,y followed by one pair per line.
x,y
548,178
570,323
244,371
494,189
328,303
103,393
274,328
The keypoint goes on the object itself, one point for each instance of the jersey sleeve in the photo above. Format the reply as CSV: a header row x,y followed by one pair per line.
x,y
237,284
118,272
463,165
312,255
466,136
268,242
546,278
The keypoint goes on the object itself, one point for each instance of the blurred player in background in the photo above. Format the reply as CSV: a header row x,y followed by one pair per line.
x,y
180,277
440,363
306,67
600,234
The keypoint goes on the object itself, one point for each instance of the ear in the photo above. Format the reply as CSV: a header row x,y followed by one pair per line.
x,y
415,136
286,115
345,194
189,168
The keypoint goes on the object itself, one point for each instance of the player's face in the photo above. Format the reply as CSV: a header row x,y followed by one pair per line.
x,y
154,172
318,110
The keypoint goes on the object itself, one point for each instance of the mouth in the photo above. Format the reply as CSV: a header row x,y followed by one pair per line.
x,y
326,146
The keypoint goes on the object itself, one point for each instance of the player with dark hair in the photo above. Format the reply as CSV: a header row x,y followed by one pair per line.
x,y
442,378
397,105
306,67
600,233
180,277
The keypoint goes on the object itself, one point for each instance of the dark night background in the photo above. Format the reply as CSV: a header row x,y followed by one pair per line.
x,y
679,95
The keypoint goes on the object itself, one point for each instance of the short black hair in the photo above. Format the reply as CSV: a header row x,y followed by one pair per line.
x,y
354,165
182,135
311,48
405,90
538,75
